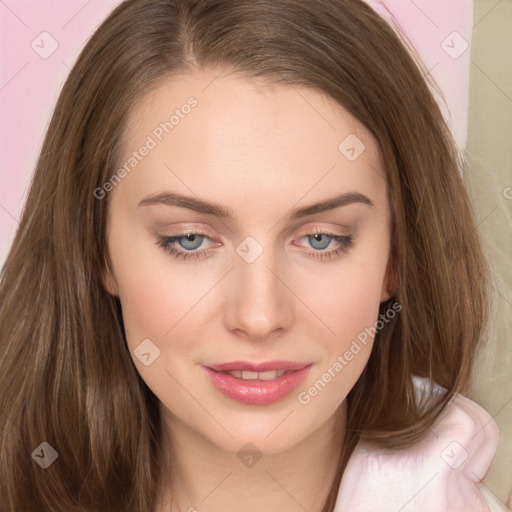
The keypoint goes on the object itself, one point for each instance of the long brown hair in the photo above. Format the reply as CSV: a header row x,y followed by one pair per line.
x,y
66,375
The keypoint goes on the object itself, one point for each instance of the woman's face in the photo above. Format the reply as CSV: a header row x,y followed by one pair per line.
x,y
263,275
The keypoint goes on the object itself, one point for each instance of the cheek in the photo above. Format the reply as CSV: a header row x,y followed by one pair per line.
x,y
156,305
348,299
360,298
350,309
148,311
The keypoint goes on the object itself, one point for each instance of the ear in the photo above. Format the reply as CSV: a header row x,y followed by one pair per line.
x,y
389,281
109,281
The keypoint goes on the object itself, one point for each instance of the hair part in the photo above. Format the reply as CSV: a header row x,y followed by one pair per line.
x,y
67,377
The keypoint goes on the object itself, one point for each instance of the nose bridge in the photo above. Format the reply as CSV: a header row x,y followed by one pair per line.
x,y
260,302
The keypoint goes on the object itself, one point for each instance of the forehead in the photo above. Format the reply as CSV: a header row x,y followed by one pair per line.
x,y
236,137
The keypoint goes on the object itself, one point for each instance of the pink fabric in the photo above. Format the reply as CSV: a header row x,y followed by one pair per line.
x,y
437,474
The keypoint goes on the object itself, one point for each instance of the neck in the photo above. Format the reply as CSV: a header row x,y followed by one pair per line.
x,y
204,477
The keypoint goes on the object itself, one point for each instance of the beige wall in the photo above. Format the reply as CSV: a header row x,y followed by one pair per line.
x,y
489,153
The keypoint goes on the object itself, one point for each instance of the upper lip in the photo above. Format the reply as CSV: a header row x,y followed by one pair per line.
x,y
257,367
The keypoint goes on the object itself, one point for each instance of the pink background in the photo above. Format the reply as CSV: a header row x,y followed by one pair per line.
x,y
30,84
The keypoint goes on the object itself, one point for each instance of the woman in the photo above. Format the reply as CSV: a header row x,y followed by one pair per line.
x,y
261,188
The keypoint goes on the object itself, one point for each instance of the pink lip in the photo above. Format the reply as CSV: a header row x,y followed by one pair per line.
x,y
257,391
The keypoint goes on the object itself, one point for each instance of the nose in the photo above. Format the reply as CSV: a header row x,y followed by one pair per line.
x,y
259,303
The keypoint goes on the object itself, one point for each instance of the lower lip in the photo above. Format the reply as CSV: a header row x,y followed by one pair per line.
x,y
257,391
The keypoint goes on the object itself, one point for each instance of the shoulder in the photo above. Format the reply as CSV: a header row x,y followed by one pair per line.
x,y
439,473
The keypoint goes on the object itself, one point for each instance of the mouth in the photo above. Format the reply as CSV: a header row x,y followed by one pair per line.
x,y
249,375
257,383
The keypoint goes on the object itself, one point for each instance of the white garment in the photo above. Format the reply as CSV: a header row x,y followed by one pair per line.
x,y
438,474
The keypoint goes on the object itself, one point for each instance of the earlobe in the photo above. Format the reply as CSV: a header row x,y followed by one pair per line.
x,y
109,284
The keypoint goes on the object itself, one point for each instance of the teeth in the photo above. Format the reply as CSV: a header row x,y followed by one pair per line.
x,y
248,375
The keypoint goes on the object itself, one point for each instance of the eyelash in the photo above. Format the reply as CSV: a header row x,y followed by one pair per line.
x,y
166,242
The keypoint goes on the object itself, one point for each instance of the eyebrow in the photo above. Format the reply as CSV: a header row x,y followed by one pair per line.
x,y
217,210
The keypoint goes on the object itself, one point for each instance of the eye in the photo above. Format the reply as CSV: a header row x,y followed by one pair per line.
x,y
184,246
320,240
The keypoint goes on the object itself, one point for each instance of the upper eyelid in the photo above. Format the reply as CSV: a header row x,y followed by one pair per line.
x,y
302,232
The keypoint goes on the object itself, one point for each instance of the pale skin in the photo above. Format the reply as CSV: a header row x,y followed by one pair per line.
x,y
261,152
